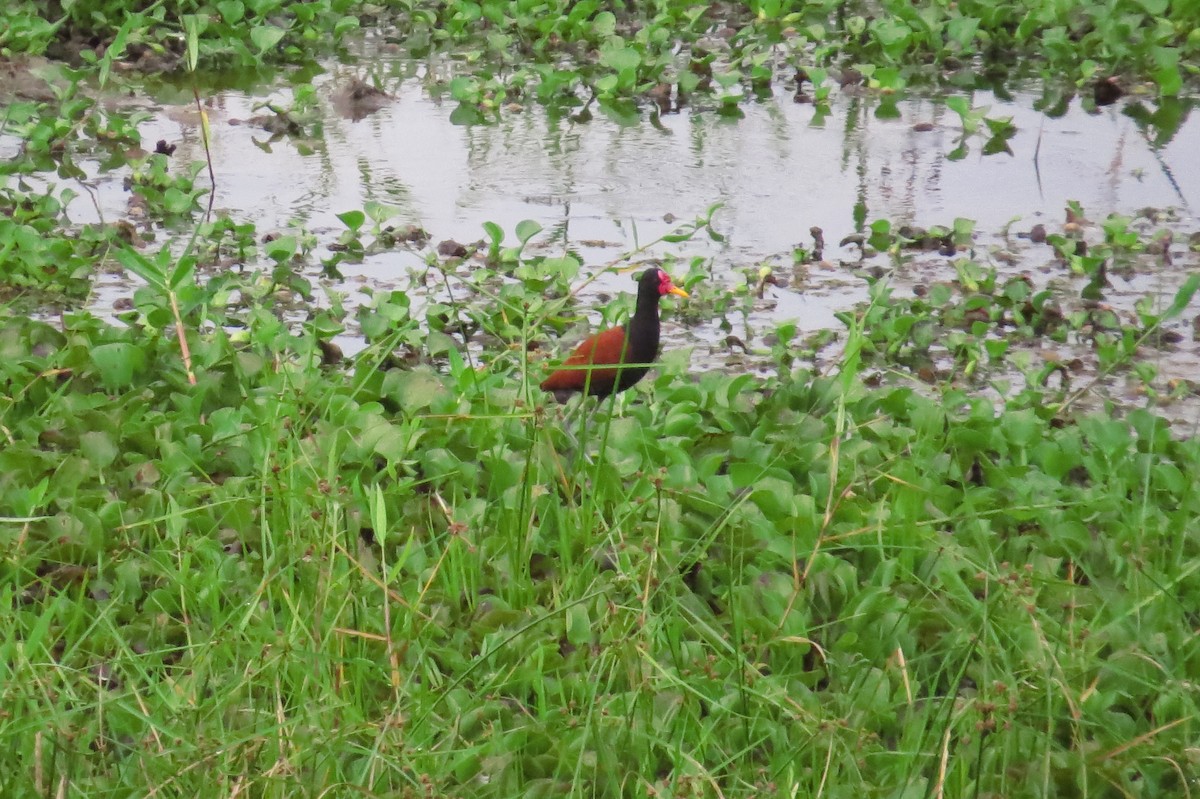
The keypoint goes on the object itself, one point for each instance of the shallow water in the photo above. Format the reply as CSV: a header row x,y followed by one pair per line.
x,y
777,174
601,187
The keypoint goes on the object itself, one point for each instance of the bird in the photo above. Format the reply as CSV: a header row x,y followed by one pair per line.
x,y
595,367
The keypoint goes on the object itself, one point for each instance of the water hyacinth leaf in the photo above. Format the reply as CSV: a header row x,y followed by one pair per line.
x,y
565,268
620,58
526,230
386,439
961,30
377,211
352,219
265,37
232,11
494,232
281,249
99,448
345,25
117,363
773,497
464,89
413,390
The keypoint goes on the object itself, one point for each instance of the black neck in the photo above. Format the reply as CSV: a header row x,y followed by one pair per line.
x,y
643,331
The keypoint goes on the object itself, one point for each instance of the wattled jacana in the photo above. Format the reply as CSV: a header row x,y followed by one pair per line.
x,y
595,367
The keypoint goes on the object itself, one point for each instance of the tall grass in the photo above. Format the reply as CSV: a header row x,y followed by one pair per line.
x,y
295,581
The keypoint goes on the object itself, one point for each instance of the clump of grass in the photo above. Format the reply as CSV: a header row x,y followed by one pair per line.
x,y
298,578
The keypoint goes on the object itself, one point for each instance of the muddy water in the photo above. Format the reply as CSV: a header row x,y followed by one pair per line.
x,y
601,187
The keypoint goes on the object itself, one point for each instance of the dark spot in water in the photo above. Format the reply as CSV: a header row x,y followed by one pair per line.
x,y
358,99
923,127
414,234
850,77
451,249
660,95
853,238
1107,91
162,148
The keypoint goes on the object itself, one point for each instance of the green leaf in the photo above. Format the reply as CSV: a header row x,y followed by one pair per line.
x,y
413,391
958,104
579,626
116,363
1183,297
193,26
265,37
183,273
604,24
386,439
280,249
494,232
464,89
345,25
99,448
232,11
379,212
962,30
527,229
620,58
352,219
773,497
177,202
143,267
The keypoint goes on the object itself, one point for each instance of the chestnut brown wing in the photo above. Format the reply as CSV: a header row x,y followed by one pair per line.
x,y
603,348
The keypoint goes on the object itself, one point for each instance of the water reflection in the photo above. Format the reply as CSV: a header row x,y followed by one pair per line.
x,y
601,187
776,172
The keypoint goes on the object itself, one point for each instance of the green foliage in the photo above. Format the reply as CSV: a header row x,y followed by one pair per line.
x,y
567,54
241,33
405,574
982,321
163,195
36,253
